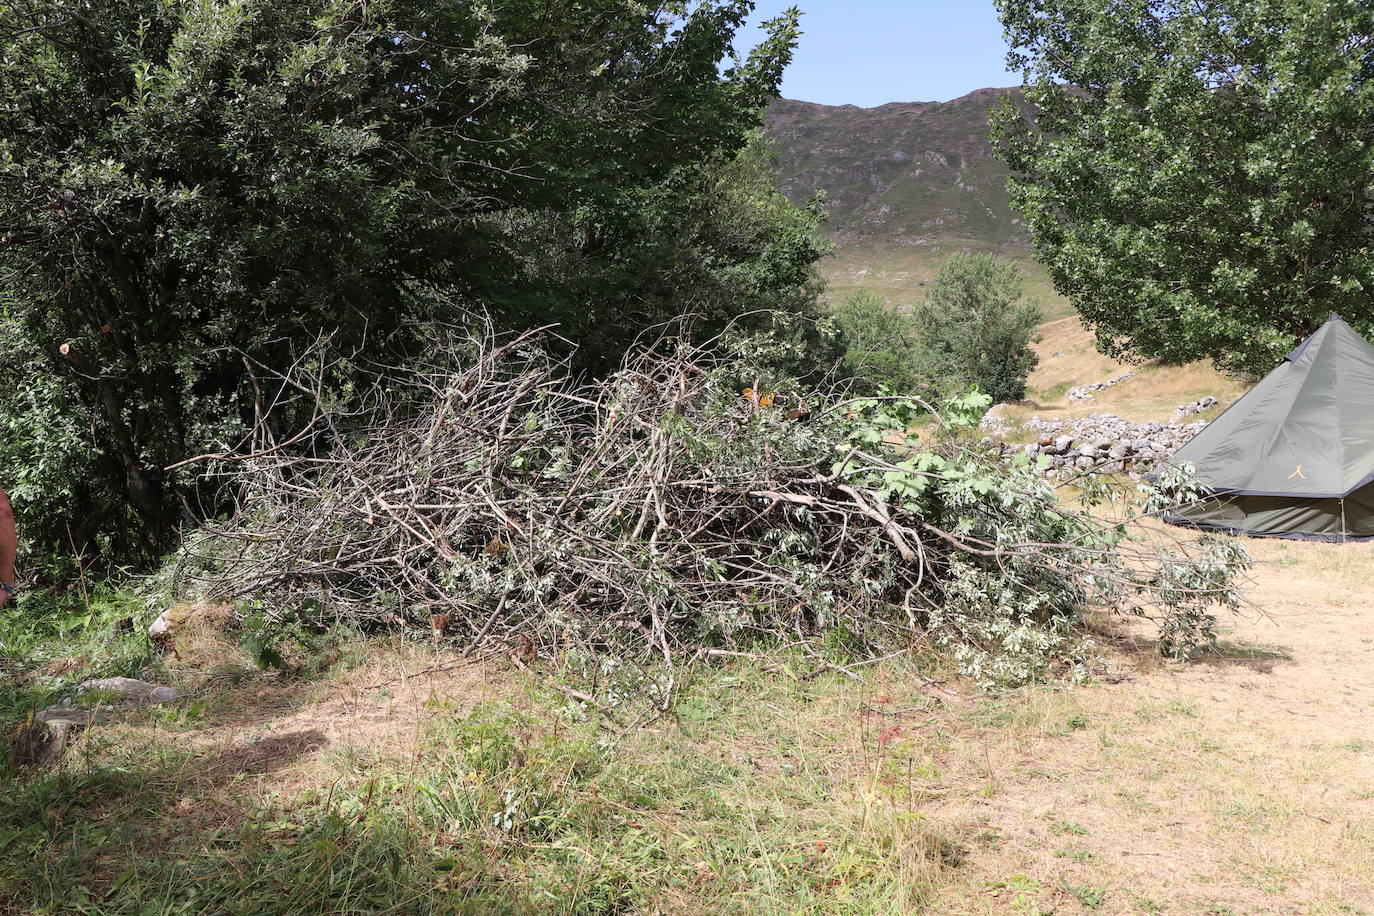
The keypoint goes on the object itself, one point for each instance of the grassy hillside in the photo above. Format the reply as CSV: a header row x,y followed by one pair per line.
x,y
1069,357
899,274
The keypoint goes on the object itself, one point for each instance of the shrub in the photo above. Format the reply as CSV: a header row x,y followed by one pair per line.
x,y
879,343
975,330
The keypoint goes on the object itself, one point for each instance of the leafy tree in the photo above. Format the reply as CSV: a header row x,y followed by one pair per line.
x,y
879,343
184,183
1197,175
713,240
975,328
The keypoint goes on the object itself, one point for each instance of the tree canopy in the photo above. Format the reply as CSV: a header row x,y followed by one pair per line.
x,y
1197,175
976,329
879,343
190,189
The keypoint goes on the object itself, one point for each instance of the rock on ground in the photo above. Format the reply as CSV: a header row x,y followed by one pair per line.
x,y
42,741
1087,392
131,690
1196,407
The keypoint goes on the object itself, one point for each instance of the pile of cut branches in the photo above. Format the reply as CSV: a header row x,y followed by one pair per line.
x,y
697,498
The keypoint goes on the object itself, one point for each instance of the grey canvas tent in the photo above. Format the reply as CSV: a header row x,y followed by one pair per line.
x,y
1294,457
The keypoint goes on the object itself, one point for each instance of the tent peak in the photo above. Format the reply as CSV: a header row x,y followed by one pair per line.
x,y
1298,350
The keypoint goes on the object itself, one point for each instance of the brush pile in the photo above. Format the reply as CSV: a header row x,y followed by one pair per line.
x,y
698,498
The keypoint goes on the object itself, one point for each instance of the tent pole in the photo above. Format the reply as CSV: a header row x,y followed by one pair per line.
x,y
1345,534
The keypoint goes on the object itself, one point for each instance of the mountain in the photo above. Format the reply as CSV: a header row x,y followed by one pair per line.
x,y
902,174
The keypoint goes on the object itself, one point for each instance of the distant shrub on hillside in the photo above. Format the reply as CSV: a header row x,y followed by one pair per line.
x,y
975,328
880,348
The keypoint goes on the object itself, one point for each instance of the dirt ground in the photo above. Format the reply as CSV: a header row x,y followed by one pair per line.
x,y
1241,784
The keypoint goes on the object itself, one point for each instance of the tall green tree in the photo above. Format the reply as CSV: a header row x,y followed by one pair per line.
x,y
711,240
1197,176
183,182
976,329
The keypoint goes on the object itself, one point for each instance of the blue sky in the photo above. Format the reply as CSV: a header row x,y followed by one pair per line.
x,y
867,52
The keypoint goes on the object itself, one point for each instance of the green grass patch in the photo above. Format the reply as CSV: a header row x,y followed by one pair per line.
x,y
1069,828
1091,898
50,641
729,804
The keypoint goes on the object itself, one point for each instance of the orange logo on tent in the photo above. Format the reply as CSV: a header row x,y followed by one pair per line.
x,y
1297,473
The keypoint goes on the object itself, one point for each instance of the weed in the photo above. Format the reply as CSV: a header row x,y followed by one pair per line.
x,y
1090,897
991,714
497,809
1062,828
1269,879
1023,890
51,641
988,838
1183,707
1137,801
1257,818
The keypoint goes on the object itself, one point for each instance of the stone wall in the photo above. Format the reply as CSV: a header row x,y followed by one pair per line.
x,y
1087,392
1107,442
1101,441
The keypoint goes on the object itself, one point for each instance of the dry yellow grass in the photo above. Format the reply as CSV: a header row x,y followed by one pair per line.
x,y
1069,357
1241,784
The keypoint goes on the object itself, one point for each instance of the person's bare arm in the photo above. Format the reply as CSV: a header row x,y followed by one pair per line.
x,y
9,545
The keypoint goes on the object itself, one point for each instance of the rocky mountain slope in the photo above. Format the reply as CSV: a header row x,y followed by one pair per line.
x,y
906,173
